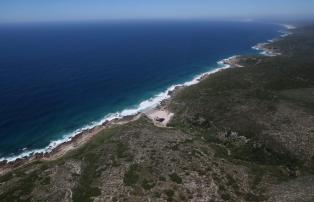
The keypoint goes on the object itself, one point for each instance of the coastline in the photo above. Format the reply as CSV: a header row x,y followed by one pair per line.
x,y
57,149
266,49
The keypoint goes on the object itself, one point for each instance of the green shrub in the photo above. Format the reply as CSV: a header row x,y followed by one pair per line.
x,y
176,178
225,196
147,185
169,193
131,176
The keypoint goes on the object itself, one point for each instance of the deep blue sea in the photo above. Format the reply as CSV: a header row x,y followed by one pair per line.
x,y
58,77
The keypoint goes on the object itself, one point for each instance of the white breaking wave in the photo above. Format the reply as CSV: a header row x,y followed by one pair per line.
x,y
269,53
289,26
263,51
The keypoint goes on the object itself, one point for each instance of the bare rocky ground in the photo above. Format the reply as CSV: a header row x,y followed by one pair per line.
x,y
243,134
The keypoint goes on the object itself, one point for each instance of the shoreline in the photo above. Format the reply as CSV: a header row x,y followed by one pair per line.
x,y
152,108
266,49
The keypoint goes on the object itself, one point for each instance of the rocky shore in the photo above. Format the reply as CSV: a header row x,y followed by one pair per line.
x,y
77,141
266,49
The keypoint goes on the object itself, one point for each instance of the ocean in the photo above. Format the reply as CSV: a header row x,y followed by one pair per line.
x,y
59,78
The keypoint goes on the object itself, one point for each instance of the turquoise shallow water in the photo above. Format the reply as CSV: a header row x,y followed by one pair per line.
x,y
56,78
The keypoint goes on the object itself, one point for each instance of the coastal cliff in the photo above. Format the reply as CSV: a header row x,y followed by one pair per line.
x,y
242,134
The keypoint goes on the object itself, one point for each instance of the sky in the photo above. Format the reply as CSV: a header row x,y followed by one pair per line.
x,y
80,10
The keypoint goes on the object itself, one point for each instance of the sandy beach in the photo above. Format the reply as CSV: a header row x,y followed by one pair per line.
x,y
160,117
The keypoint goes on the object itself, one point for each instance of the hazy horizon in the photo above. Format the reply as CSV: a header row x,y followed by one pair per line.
x,y
97,10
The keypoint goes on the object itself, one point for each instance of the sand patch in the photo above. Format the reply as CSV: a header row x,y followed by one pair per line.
x,y
160,117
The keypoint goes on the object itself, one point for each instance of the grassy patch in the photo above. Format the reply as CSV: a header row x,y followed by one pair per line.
x,y
225,196
90,155
175,178
147,184
131,176
121,150
85,190
45,180
6,177
22,189
169,193
263,155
